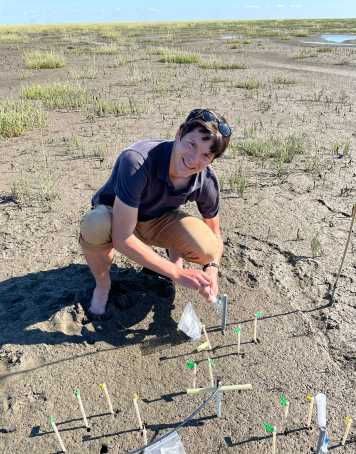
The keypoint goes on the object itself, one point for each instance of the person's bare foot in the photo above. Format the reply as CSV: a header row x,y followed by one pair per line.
x,y
99,300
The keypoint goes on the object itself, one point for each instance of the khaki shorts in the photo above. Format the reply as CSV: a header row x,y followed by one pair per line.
x,y
187,235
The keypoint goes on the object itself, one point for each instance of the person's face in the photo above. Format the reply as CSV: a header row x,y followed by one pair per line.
x,y
191,154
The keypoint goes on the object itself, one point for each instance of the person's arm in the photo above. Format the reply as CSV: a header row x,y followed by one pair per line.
x,y
127,243
212,271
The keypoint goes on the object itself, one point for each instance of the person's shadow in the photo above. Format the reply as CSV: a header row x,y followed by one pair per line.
x,y
50,307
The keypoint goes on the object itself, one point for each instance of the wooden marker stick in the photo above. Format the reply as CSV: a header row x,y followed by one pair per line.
x,y
144,434
54,427
255,330
238,341
211,374
310,399
286,410
203,346
77,395
274,440
135,399
348,422
105,389
206,336
195,367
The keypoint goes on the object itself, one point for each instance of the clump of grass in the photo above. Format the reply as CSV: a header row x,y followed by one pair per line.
x,y
341,149
57,95
43,60
101,107
281,80
248,84
16,117
305,53
107,50
45,190
238,182
177,56
220,65
10,38
281,149
324,50
315,246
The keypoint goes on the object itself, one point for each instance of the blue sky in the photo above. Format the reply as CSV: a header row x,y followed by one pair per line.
x,y
57,11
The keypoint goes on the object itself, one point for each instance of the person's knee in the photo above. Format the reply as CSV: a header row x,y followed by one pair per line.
x,y
95,226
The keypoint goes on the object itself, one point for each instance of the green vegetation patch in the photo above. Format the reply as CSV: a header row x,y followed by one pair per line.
x,y
220,65
43,60
281,149
248,84
177,56
57,95
102,108
9,38
16,117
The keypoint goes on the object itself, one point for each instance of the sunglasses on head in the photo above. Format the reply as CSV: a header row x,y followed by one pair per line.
x,y
208,116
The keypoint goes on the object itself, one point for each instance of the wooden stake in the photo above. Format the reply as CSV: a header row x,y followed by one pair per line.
x,y
348,423
195,375
211,374
144,434
135,399
310,399
206,336
238,342
77,395
192,391
286,410
54,427
103,387
274,441
203,346
255,330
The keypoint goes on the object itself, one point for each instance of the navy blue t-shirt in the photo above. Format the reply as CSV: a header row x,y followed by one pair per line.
x,y
140,179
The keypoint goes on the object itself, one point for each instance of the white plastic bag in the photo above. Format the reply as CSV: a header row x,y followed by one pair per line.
x,y
169,445
189,323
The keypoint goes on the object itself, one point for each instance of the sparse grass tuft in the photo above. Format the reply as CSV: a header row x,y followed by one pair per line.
x,y
57,95
248,84
112,49
177,56
16,117
220,65
283,150
305,53
102,107
280,80
12,38
43,60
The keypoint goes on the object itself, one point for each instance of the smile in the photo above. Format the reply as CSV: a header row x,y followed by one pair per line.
x,y
190,168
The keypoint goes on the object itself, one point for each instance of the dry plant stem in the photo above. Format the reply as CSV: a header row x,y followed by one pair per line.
x,y
353,215
348,421
54,427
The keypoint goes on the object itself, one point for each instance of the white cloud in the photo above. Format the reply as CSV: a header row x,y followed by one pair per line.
x,y
279,5
298,5
252,6
153,10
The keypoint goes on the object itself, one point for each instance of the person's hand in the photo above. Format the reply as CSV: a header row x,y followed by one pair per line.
x,y
210,293
194,279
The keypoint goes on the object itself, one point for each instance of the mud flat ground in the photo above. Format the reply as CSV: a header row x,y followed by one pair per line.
x,y
288,187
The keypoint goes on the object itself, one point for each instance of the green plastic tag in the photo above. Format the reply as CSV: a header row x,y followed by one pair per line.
x,y
190,364
77,393
283,400
268,427
259,314
237,330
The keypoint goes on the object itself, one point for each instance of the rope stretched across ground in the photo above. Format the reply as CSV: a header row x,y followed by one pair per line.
x,y
180,426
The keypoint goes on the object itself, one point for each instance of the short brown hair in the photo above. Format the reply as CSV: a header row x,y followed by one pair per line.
x,y
220,143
